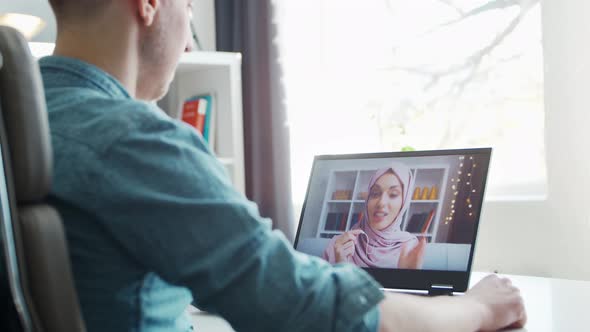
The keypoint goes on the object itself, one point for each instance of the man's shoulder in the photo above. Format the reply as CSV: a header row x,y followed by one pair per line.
x,y
98,122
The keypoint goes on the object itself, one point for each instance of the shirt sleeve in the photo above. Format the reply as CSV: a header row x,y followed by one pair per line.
x,y
371,320
170,205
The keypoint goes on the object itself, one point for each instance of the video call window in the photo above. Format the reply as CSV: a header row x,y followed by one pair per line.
x,y
396,213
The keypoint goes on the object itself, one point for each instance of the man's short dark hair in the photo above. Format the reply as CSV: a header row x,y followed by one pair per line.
x,y
71,9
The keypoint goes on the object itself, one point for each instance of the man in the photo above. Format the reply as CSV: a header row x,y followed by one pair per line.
x,y
153,223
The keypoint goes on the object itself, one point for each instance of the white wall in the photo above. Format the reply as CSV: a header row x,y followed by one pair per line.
x,y
204,16
552,237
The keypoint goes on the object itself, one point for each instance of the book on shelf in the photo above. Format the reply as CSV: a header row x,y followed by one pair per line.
x,y
208,100
336,221
415,223
191,115
327,235
355,218
211,133
362,195
330,222
198,112
342,195
342,224
426,225
420,222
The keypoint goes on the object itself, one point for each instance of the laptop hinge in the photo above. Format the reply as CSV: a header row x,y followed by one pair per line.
x,y
439,289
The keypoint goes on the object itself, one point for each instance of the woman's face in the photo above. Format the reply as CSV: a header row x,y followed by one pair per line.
x,y
385,201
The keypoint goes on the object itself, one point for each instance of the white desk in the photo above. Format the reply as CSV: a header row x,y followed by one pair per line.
x,y
553,305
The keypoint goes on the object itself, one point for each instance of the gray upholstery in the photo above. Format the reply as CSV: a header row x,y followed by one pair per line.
x,y
51,283
35,248
23,105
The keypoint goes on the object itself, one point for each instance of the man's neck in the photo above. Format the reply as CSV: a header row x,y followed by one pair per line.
x,y
109,49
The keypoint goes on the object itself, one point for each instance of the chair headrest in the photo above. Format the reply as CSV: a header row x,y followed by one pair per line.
x,y
24,114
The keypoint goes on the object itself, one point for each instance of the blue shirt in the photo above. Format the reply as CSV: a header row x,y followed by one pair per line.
x,y
153,224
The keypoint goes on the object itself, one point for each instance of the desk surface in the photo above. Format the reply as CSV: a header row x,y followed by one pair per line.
x,y
553,305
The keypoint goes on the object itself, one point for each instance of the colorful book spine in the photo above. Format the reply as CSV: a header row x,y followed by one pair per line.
x,y
416,222
343,220
208,101
190,113
342,195
428,222
201,116
355,219
420,222
336,221
198,112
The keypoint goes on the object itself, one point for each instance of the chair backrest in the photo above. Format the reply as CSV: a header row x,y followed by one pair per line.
x,y
35,249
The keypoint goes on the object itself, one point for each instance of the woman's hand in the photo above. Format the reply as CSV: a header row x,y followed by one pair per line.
x,y
412,259
344,245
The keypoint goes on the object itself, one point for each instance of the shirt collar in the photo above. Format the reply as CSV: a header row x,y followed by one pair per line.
x,y
65,71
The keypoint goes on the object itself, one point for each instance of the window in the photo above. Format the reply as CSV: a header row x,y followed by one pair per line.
x,y
387,75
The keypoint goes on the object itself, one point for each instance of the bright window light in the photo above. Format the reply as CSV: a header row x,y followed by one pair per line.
x,y
39,50
28,25
379,75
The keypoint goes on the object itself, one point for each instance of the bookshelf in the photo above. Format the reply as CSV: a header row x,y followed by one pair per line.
x,y
218,74
347,189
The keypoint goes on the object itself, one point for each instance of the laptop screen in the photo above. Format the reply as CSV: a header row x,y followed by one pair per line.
x,y
405,210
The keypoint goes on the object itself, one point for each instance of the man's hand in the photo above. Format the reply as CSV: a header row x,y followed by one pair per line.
x,y
492,304
500,302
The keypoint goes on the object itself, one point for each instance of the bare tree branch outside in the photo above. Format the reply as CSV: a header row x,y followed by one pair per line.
x,y
387,75
470,67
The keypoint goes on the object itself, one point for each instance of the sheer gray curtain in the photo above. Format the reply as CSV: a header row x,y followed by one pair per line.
x,y
246,26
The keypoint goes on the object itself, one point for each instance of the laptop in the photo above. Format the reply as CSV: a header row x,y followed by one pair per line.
x,y
410,219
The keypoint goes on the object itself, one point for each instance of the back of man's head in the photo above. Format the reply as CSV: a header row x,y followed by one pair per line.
x,y
75,10
138,42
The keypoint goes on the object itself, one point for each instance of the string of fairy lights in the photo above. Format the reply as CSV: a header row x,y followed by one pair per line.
x,y
455,183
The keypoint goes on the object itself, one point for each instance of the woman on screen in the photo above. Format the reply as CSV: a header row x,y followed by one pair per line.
x,y
377,240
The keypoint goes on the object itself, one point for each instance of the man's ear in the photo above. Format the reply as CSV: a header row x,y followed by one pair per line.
x,y
147,10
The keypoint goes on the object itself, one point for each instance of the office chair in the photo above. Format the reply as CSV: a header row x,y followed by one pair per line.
x,y
36,259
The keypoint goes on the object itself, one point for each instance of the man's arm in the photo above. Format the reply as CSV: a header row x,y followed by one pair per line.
x,y
167,201
490,305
